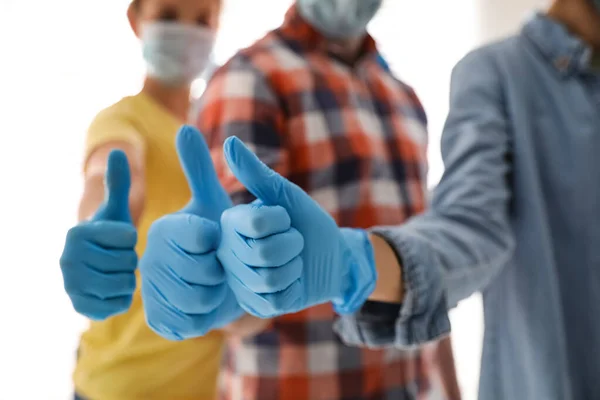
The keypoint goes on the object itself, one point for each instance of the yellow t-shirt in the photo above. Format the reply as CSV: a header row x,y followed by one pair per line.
x,y
121,358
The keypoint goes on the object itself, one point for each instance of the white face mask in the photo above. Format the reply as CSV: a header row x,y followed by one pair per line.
x,y
176,54
339,19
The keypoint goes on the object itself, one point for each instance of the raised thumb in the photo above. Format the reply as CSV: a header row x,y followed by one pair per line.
x,y
260,180
117,183
209,198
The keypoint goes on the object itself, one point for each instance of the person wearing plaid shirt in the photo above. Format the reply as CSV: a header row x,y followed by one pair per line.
x,y
355,139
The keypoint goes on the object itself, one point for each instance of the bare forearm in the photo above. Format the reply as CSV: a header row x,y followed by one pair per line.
x,y
389,288
93,196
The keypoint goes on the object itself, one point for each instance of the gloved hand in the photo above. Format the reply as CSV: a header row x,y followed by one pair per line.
x,y
183,284
284,253
99,260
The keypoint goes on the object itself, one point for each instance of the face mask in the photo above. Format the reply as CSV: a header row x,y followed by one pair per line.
x,y
339,19
176,54
597,4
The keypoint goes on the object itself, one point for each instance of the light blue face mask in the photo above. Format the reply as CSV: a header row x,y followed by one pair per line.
x,y
339,19
176,54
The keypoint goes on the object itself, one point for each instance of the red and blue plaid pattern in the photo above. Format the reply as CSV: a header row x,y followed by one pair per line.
x,y
355,139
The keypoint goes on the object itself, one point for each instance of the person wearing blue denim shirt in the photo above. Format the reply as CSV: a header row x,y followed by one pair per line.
x,y
515,215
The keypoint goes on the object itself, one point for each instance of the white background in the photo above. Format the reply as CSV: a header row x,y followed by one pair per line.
x,y
61,61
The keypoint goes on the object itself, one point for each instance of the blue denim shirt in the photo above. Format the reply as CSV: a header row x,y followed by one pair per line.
x,y
515,216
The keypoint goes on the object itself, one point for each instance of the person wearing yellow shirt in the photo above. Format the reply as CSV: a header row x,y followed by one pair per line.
x,y
119,357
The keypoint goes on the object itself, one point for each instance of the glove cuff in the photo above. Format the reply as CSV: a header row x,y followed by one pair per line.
x,y
360,281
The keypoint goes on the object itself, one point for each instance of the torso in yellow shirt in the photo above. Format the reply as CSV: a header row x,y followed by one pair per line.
x,y
121,358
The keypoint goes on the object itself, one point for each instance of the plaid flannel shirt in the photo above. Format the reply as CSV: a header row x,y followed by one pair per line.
x,y
355,139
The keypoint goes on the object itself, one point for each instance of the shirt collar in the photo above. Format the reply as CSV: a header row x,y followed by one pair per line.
x,y
569,54
302,37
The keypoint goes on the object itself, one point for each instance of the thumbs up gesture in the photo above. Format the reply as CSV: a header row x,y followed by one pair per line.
x,y
284,253
184,289
99,260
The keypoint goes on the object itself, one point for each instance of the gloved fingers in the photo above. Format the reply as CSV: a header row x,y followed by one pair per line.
x,y
256,220
83,279
181,286
188,232
161,317
271,251
201,269
99,309
106,234
195,269
173,324
101,259
267,305
286,300
268,279
187,298
227,312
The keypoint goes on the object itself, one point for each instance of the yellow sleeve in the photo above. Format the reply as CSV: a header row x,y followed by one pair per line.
x,y
112,125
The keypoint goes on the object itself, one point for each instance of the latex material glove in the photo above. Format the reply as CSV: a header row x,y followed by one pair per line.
x,y
183,284
285,253
99,260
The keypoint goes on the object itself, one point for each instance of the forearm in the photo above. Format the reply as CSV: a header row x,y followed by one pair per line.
x,y
390,284
93,196
451,250
454,249
389,288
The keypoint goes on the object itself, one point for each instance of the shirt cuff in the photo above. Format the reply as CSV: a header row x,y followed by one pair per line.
x,y
422,317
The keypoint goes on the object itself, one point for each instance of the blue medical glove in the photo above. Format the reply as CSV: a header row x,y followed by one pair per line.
x,y
284,253
99,260
184,289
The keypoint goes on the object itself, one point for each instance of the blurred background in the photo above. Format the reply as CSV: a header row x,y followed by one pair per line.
x,y
62,61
